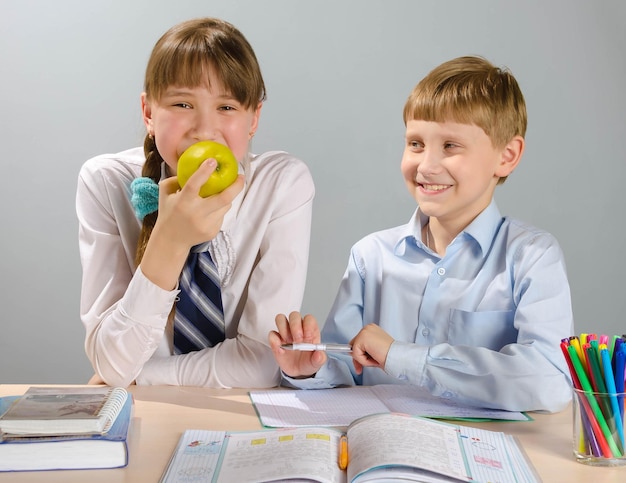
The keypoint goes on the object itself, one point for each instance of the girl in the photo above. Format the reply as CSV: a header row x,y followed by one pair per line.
x,y
202,82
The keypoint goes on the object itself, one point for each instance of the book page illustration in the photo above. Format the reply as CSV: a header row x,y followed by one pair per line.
x,y
196,457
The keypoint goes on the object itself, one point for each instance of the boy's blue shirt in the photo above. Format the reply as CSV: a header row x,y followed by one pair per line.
x,y
481,325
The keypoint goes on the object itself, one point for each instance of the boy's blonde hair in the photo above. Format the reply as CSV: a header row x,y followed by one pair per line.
x,y
471,90
183,57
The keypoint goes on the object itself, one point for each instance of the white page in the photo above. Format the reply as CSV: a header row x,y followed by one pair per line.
x,y
282,454
320,407
495,456
420,402
341,406
524,469
404,474
196,457
398,440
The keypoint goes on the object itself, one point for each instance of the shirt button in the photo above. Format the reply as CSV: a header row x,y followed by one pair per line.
x,y
441,271
425,332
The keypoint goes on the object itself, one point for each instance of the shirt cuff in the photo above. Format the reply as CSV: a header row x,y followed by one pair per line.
x,y
147,302
406,362
332,374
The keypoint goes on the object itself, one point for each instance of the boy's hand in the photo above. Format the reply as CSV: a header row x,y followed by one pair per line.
x,y
295,329
370,348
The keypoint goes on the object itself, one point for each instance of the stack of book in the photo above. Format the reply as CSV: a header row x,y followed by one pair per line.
x,y
65,428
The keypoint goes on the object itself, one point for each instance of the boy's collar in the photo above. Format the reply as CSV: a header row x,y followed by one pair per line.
x,y
482,229
484,226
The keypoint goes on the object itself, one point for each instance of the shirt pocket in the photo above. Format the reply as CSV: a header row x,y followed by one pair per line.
x,y
492,329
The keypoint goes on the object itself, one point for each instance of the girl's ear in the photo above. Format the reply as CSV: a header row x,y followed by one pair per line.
x,y
510,157
255,120
146,112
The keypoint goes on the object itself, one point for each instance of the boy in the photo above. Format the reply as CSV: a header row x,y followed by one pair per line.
x,y
460,300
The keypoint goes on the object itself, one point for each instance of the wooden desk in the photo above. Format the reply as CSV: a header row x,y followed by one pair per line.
x,y
162,413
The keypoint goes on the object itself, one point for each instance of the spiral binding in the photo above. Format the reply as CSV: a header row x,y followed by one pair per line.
x,y
112,407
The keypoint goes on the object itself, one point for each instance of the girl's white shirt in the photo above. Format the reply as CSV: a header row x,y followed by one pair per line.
x,y
261,254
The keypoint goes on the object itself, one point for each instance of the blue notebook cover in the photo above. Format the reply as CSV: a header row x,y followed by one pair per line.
x,y
109,450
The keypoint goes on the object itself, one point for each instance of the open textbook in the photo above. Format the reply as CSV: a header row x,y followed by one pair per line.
x,y
381,447
280,408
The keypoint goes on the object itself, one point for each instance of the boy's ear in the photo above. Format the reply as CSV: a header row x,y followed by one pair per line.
x,y
510,157
146,113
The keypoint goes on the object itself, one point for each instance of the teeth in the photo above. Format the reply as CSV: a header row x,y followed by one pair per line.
x,y
435,187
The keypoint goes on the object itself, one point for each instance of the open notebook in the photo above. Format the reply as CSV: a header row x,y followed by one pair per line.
x,y
340,406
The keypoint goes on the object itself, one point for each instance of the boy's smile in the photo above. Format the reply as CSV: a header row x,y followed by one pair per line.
x,y
434,187
452,169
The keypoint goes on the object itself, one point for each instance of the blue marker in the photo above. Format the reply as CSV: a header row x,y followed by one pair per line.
x,y
609,379
620,367
618,344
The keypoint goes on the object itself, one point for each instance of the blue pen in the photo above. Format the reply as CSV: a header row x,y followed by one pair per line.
x,y
618,343
609,380
612,347
620,367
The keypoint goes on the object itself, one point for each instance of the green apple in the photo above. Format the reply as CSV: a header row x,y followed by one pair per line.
x,y
224,175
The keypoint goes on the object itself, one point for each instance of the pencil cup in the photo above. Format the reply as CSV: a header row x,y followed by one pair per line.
x,y
599,428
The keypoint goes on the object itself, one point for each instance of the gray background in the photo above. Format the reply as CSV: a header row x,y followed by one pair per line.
x,y
338,73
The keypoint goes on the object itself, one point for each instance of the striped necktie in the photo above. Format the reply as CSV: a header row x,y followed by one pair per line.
x,y
199,316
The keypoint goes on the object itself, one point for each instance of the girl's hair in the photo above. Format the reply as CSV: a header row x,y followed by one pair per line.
x,y
184,56
470,90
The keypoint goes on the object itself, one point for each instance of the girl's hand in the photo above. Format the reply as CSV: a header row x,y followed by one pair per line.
x,y
370,348
295,329
185,218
